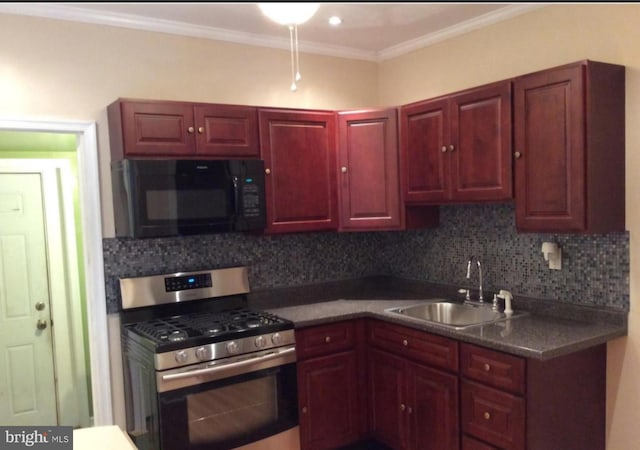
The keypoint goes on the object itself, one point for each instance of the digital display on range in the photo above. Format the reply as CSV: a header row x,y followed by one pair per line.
x,y
183,283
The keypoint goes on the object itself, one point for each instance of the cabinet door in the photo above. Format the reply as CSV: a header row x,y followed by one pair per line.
x,y
433,409
298,148
424,151
368,180
480,151
387,391
549,126
151,128
570,137
227,130
328,397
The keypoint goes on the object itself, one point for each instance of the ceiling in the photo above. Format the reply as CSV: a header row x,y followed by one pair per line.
x,y
370,31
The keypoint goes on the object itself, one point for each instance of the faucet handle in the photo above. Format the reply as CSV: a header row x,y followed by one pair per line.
x,y
507,296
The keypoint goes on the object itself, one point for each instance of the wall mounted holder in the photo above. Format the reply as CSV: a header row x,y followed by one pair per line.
x,y
553,254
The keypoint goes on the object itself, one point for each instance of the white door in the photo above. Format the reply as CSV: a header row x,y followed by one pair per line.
x,y
27,381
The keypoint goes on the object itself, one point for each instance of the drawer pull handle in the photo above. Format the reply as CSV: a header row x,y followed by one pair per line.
x,y
405,343
486,415
327,339
487,367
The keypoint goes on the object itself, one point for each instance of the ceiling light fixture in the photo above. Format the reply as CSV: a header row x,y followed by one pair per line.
x,y
335,21
291,15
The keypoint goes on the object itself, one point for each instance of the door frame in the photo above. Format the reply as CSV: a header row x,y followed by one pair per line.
x,y
93,257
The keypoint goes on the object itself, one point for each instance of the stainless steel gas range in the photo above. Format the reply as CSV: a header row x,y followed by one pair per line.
x,y
201,369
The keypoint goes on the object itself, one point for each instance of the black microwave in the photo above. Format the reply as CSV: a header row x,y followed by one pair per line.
x,y
156,198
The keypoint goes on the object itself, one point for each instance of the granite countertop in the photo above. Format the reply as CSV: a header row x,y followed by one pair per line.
x,y
547,330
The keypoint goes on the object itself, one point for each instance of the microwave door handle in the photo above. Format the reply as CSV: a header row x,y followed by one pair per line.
x,y
236,195
230,366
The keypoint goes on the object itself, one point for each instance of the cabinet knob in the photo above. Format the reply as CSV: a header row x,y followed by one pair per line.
x,y
327,339
405,343
200,130
304,410
487,367
409,410
486,415
444,149
267,171
451,148
517,155
403,407
191,130
343,169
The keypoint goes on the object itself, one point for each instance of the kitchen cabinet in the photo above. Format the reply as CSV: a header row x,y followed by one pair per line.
x,y
457,148
413,388
329,374
369,187
299,151
569,128
369,192
150,128
512,403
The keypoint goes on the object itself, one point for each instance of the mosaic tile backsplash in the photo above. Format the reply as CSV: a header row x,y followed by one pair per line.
x,y
595,268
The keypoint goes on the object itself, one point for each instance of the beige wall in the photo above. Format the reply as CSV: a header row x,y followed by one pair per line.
x,y
545,38
66,70
63,70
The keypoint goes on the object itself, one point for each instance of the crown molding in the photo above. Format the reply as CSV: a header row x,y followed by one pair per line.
x,y
457,30
78,14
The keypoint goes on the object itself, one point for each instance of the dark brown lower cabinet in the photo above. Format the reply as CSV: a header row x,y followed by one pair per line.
x,y
413,406
512,403
330,413
330,380
412,390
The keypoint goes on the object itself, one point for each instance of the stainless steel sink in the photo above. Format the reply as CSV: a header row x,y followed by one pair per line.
x,y
455,315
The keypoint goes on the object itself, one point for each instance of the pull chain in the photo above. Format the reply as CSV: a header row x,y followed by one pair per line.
x,y
294,87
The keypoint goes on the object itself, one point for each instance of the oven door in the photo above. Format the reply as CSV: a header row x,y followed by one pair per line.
x,y
214,411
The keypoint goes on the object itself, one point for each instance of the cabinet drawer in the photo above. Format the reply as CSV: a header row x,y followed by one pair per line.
x,y
496,369
325,339
471,444
493,416
423,347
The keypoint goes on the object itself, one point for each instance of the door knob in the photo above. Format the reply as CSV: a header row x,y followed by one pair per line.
x,y
42,324
40,306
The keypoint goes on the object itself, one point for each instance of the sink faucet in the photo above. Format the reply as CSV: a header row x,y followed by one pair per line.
x,y
480,296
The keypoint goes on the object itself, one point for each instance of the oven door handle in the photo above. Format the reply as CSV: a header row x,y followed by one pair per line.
x,y
231,367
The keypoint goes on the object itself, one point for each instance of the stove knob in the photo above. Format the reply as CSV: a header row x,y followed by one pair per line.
x,y
232,347
181,356
276,339
203,353
261,342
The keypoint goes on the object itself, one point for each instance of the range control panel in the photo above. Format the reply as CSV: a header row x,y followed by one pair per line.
x,y
183,283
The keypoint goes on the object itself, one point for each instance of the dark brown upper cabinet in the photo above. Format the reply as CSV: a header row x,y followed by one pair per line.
x,y
457,148
569,127
299,152
368,178
150,128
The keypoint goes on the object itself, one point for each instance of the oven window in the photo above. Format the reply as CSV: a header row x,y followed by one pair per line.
x,y
231,412
223,414
186,204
